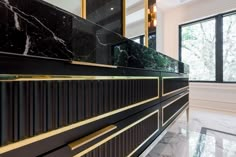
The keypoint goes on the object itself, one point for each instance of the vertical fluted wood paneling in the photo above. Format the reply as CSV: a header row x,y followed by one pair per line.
x,y
29,108
172,84
123,144
173,108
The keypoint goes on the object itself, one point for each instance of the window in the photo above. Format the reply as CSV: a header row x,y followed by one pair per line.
x,y
229,48
198,49
208,46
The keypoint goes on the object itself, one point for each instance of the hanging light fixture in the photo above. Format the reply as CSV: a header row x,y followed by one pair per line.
x,y
152,18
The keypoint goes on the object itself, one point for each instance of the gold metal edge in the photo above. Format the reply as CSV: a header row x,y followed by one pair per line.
x,y
78,143
173,91
124,17
169,105
181,96
130,155
146,21
17,77
92,64
84,9
165,78
163,124
114,135
37,138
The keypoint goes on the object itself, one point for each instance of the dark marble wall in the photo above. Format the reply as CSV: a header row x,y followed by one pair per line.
x,y
34,27
107,13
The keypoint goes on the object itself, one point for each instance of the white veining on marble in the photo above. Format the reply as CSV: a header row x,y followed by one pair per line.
x,y
208,134
100,42
27,45
17,23
17,12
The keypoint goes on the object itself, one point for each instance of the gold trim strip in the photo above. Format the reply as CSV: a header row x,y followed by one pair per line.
x,y
174,91
186,104
130,155
76,144
146,21
114,135
83,9
124,17
34,139
92,64
165,78
16,77
171,104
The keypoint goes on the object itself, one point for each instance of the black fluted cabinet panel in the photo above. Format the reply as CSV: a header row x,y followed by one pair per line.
x,y
123,144
30,108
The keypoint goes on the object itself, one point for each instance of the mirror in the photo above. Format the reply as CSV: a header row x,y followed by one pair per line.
x,y
73,6
135,19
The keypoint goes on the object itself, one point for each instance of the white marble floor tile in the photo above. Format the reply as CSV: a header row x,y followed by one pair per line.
x,y
208,134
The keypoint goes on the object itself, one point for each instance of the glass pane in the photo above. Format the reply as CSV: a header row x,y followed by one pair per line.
x,y
73,6
106,13
198,50
229,54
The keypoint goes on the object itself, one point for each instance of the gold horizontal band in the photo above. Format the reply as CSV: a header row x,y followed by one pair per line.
x,y
91,137
37,138
165,78
93,64
176,112
16,77
173,77
165,94
114,135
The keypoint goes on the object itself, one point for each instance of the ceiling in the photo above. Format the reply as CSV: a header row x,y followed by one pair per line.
x,y
167,4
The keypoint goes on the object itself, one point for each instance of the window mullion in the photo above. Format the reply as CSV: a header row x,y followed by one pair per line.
x,y
219,49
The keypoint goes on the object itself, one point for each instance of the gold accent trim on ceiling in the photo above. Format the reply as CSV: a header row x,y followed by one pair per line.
x,y
114,135
43,136
170,103
76,144
92,64
168,93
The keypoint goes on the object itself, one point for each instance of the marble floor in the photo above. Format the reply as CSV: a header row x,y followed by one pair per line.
x,y
208,134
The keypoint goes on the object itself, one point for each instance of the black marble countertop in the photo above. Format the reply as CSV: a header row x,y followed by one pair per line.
x,y
36,28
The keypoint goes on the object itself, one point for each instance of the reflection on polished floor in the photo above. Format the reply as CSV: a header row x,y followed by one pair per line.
x,y
209,134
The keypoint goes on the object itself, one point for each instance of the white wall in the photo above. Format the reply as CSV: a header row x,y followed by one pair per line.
x,y
190,12
206,95
213,96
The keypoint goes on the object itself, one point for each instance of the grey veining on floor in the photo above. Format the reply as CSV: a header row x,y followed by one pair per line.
x,y
208,134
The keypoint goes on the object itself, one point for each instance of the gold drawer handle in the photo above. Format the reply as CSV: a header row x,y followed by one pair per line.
x,y
76,144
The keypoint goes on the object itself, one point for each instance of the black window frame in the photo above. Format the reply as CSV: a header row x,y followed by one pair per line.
x,y
218,46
